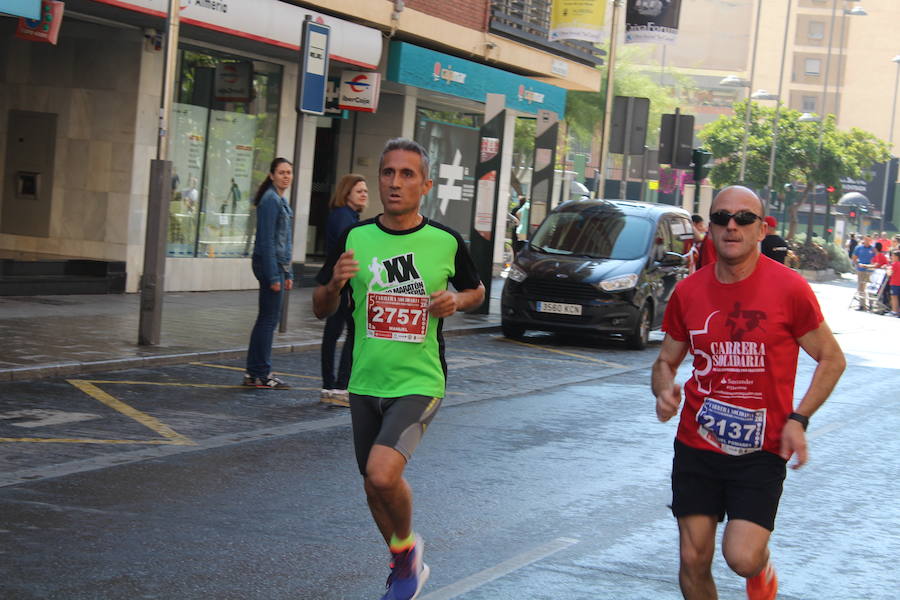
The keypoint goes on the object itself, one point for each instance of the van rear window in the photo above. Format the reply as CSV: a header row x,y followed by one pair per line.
x,y
594,234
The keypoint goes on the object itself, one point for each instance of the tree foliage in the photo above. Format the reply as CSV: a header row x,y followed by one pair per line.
x,y
584,110
808,153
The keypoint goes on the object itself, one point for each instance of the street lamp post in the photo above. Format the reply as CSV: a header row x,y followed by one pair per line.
x,y
822,122
787,23
887,165
856,11
810,118
610,93
738,82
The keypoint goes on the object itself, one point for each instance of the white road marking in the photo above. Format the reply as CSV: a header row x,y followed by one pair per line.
x,y
45,418
508,566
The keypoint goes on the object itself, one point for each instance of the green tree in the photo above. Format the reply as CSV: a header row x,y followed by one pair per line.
x,y
584,110
811,153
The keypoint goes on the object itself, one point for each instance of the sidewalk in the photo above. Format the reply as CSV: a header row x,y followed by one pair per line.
x,y
50,336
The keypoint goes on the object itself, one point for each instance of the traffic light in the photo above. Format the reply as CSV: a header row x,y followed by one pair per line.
x,y
852,214
701,158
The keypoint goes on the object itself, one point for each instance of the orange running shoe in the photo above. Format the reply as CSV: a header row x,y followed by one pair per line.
x,y
764,585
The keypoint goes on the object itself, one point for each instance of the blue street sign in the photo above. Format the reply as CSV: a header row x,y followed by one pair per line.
x,y
314,68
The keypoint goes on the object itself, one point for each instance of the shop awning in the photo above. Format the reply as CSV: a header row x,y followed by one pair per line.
x,y
420,67
267,21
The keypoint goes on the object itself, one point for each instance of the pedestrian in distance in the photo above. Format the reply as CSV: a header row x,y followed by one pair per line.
x,y
350,198
702,247
861,258
773,245
271,263
881,261
885,241
744,320
852,243
895,283
699,226
397,267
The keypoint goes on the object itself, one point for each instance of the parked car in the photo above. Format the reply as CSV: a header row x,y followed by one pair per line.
x,y
598,266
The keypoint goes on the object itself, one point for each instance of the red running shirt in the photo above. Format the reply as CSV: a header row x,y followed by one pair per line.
x,y
743,337
895,273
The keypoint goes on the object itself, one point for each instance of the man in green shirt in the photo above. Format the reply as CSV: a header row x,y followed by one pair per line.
x,y
397,265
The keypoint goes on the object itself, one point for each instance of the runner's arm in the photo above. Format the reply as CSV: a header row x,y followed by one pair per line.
x,y
662,379
327,297
822,347
444,303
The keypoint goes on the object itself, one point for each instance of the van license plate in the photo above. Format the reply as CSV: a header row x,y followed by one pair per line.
x,y
559,308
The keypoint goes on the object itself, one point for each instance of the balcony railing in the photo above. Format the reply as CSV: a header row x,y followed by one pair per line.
x,y
528,21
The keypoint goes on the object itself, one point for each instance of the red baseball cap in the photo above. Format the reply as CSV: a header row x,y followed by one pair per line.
x,y
770,221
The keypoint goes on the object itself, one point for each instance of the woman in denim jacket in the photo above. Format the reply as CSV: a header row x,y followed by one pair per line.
x,y
272,268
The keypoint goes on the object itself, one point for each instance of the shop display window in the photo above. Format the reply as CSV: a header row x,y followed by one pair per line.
x,y
223,133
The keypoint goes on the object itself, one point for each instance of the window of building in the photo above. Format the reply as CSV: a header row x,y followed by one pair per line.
x,y
809,103
816,30
223,130
812,66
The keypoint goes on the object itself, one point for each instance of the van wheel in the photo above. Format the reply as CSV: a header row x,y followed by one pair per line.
x,y
511,331
640,336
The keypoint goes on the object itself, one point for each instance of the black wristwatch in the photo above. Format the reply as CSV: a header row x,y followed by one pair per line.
x,y
802,419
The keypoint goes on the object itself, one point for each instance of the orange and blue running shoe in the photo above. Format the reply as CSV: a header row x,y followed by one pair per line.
x,y
763,585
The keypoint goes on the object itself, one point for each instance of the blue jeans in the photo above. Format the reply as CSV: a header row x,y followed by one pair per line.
x,y
259,354
334,326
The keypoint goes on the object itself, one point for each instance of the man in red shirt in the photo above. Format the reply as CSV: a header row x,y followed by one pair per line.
x,y
885,242
744,321
895,283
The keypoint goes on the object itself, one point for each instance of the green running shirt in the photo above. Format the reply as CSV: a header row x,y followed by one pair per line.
x,y
398,349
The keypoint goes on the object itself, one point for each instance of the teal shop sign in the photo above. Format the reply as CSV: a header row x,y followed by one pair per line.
x,y
423,68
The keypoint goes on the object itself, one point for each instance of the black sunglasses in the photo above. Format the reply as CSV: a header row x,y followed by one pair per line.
x,y
742,217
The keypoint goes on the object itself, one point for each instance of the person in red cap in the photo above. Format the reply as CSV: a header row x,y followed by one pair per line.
x,y
773,245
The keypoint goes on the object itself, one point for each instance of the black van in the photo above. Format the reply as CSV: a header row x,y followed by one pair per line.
x,y
598,266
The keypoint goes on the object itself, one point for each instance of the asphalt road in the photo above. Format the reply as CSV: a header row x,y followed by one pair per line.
x,y
545,475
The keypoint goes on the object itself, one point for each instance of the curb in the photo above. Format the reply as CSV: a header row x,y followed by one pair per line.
x,y
66,369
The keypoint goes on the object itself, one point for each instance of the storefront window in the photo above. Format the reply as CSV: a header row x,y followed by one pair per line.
x,y
224,124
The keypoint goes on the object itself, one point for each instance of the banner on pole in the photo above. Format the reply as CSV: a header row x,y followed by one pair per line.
x,y
652,21
577,20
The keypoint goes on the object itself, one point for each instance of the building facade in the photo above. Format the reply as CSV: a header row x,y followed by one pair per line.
x,y
84,115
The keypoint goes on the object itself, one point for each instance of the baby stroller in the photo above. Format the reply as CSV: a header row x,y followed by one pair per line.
x,y
876,289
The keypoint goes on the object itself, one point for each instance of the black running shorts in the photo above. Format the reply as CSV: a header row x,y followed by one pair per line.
x,y
748,487
397,423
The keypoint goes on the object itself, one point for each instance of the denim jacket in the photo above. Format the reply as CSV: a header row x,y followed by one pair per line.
x,y
274,230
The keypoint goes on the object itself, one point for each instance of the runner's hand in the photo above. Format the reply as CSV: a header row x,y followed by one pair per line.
x,y
443,304
345,268
793,441
667,403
